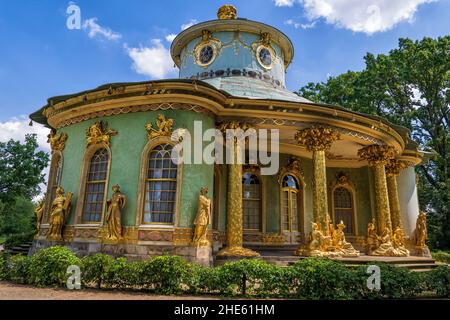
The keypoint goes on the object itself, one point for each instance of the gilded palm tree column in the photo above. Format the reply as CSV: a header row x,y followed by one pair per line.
x,y
378,156
318,140
393,168
234,231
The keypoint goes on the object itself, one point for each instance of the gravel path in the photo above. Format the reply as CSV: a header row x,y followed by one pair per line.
x,y
9,291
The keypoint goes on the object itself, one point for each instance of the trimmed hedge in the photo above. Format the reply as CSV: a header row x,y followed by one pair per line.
x,y
441,256
49,266
311,278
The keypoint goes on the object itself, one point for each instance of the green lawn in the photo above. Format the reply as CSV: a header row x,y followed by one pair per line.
x,y
2,239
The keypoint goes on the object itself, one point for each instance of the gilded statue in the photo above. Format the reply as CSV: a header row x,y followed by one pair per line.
x,y
227,12
421,230
39,212
57,140
163,127
316,241
202,219
341,245
114,214
399,244
99,133
59,212
372,240
385,247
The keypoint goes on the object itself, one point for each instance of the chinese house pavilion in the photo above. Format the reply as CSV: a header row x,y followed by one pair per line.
x,y
345,187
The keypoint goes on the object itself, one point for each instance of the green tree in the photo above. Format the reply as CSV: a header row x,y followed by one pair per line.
x,y
21,172
409,86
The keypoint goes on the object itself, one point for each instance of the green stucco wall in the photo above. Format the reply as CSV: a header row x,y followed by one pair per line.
x,y
126,152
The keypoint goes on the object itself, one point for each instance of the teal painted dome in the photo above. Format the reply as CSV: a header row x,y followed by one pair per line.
x,y
242,57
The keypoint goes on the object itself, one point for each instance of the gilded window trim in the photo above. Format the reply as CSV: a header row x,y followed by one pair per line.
x,y
256,172
217,193
301,214
151,144
350,187
90,151
52,172
272,54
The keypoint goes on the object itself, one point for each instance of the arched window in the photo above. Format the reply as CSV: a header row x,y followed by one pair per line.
x,y
94,197
290,203
54,181
160,186
343,205
251,202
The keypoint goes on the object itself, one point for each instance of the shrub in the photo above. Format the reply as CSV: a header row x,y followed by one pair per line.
x,y
441,256
2,266
121,274
49,266
167,274
252,277
94,269
319,278
438,280
396,282
17,269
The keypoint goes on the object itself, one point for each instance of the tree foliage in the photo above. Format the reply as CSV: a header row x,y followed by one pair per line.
x,y
21,173
21,166
409,86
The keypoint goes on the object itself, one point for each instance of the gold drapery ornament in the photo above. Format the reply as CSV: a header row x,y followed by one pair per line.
x,y
114,215
164,128
99,133
421,230
59,212
227,12
57,140
202,220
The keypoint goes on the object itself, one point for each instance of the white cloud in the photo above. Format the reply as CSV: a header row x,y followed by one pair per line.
x,y
16,128
189,24
154,61
368,16
284,3
95,30
298,25
170,37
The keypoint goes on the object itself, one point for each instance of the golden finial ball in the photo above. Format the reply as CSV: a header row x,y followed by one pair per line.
x,y
227,12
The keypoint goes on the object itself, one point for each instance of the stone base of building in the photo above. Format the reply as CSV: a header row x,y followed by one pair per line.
x,y
200,255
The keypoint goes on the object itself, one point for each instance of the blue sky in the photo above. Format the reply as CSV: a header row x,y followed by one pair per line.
x,y
40,57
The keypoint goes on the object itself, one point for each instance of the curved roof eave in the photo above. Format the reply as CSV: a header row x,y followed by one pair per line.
x,y
38,116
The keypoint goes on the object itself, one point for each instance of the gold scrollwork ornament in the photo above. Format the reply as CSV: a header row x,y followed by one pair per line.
x,y
164,128
57,140
99,133
264,44
207,41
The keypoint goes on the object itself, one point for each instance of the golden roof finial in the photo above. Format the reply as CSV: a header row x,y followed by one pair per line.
x,y
227,12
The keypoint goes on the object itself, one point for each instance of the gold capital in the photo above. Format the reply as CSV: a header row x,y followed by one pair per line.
x,y
317,138
377,154
393,167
